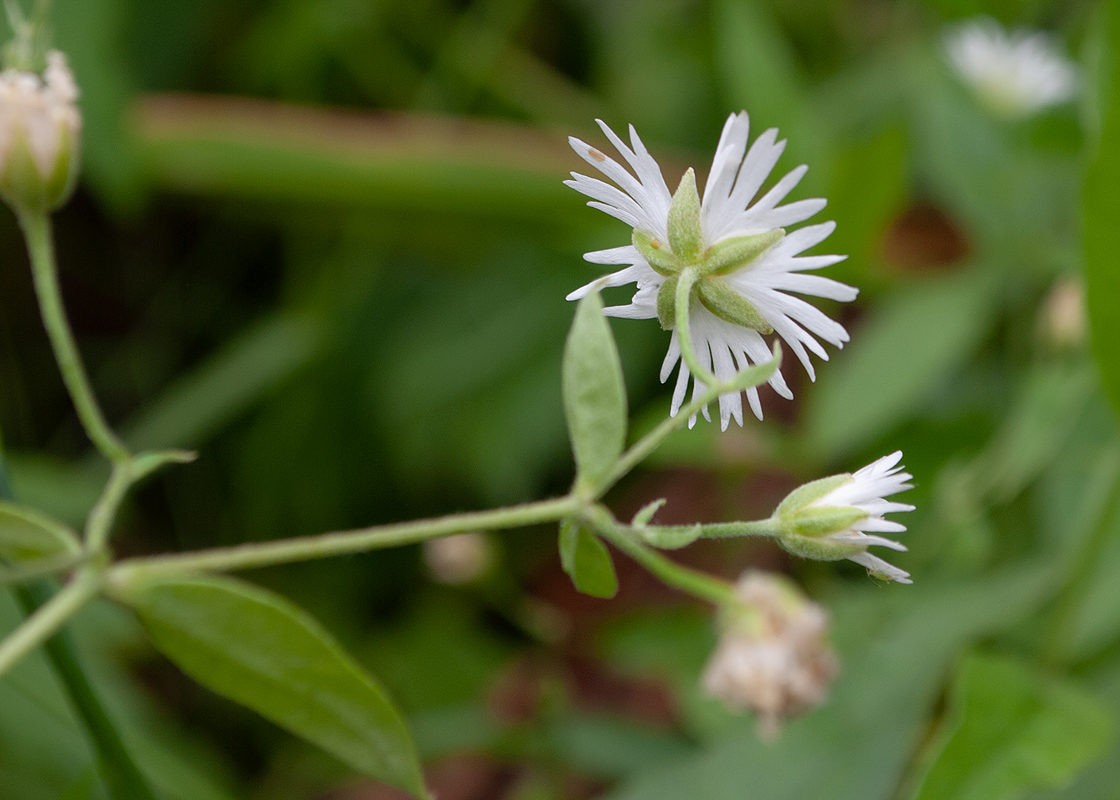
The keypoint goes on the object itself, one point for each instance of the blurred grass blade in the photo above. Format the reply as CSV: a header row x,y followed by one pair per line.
x,y
897,358
760,73
1102,215
587,561
226,384
236,147
26,534
1014,731
258,649
594,393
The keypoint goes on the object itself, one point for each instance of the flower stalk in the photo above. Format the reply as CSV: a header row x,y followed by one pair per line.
x,y
36,227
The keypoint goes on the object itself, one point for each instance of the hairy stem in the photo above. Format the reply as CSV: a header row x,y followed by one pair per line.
x,y
714,590
306,548
752,376
40,248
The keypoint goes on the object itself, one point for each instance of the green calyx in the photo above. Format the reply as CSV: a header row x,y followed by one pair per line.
x,y
806,526
24,186
685,250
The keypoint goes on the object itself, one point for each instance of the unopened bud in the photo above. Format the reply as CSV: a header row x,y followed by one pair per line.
x,y
773,656
40,136
458,559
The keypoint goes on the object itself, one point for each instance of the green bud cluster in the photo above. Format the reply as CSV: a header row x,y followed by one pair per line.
x,y
805,526
685,249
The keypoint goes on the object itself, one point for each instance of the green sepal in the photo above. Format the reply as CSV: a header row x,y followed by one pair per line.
x,y
817,521
731,255
24,187
660,258
684,220
810,492
586,560
728,305
667,304
816,549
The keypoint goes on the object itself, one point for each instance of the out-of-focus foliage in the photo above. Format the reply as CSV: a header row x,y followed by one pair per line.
x,y
325,242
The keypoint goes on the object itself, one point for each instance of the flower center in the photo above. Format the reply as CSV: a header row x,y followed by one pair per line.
x,y
685,250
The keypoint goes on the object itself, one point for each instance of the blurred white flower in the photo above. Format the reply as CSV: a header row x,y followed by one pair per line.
x,y
1016,74
748,262
773,657
40,129
1062,321
458,559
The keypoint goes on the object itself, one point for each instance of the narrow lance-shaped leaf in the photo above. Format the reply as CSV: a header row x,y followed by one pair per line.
x,y
586,560
258,649
594,393
27,534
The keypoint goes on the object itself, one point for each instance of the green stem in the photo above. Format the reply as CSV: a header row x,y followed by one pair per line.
x,y
122,776
37,230
685,282
697,584
763,528
100,520
48,618
752,376
306,548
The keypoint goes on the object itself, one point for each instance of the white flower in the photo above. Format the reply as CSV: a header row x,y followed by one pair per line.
x,y
773,656
1016,74
39,123
759,283
865,491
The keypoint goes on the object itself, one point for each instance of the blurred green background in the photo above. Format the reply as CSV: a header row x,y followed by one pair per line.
x,y
325,242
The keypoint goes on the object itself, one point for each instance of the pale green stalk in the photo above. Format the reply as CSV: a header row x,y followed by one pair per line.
x,y
752,376
685,282
101,517
37,231
306,548
714,590
49,617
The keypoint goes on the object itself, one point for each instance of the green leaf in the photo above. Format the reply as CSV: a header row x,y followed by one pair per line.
x,y
1014,731
912,342
587,561
27,534
259,650
1102,210
594,394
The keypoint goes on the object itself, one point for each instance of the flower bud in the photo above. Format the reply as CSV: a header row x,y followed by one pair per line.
x,y
40,136
828,519
773,656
